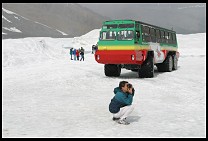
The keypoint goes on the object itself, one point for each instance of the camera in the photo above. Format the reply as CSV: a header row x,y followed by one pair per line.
x,y
133,91
129,85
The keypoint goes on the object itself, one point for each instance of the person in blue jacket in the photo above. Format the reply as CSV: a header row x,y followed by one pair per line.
x,y
121,104
74,53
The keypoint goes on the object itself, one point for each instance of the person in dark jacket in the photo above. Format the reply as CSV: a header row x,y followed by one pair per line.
x,y
82,54
71,52
121,104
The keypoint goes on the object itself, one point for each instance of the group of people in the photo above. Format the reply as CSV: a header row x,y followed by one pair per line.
x,y
76,53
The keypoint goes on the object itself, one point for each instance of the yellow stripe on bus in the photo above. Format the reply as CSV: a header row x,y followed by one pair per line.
x,y
169,48
133,47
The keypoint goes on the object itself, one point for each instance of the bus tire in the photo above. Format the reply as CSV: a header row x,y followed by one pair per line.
x,y
175,62
166,66
147,69
134,70
112,70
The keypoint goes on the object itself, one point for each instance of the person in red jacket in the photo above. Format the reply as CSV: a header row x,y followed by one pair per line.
x,y
77,54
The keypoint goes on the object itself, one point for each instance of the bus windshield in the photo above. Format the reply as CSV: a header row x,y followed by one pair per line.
x,y
125,35
108,35
110,26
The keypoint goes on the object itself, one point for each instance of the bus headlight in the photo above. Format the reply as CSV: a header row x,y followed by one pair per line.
x,y
132,57
98,57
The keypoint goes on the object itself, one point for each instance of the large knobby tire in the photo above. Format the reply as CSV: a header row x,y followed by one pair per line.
x,y
147,69
175,62
134,70
112,70
166,66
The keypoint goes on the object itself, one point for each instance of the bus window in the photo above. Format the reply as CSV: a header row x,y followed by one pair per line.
x,y
166,37
102,35
158,38
162,36
125,35
130,35
126,26
110,26
170,38
108,35
152,34
174,38
146,33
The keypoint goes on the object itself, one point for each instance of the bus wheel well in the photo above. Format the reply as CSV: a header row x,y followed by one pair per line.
x,y
171,53
150,54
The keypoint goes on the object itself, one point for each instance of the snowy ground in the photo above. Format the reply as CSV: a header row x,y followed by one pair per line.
x,y
45,94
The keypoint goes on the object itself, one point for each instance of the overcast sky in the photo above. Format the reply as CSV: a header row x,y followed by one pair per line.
x,y
192,16
124,10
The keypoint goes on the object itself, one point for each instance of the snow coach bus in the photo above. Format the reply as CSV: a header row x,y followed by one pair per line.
x,y
136,46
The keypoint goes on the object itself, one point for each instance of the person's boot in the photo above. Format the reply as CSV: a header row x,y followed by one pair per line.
x,y
115,119
123,121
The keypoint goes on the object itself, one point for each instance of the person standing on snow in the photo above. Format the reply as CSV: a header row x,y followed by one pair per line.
x,y
71,52
77,54
121,104
82,54
74,53
93,49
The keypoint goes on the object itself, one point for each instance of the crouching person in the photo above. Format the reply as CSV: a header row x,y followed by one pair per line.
x,y
121,104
